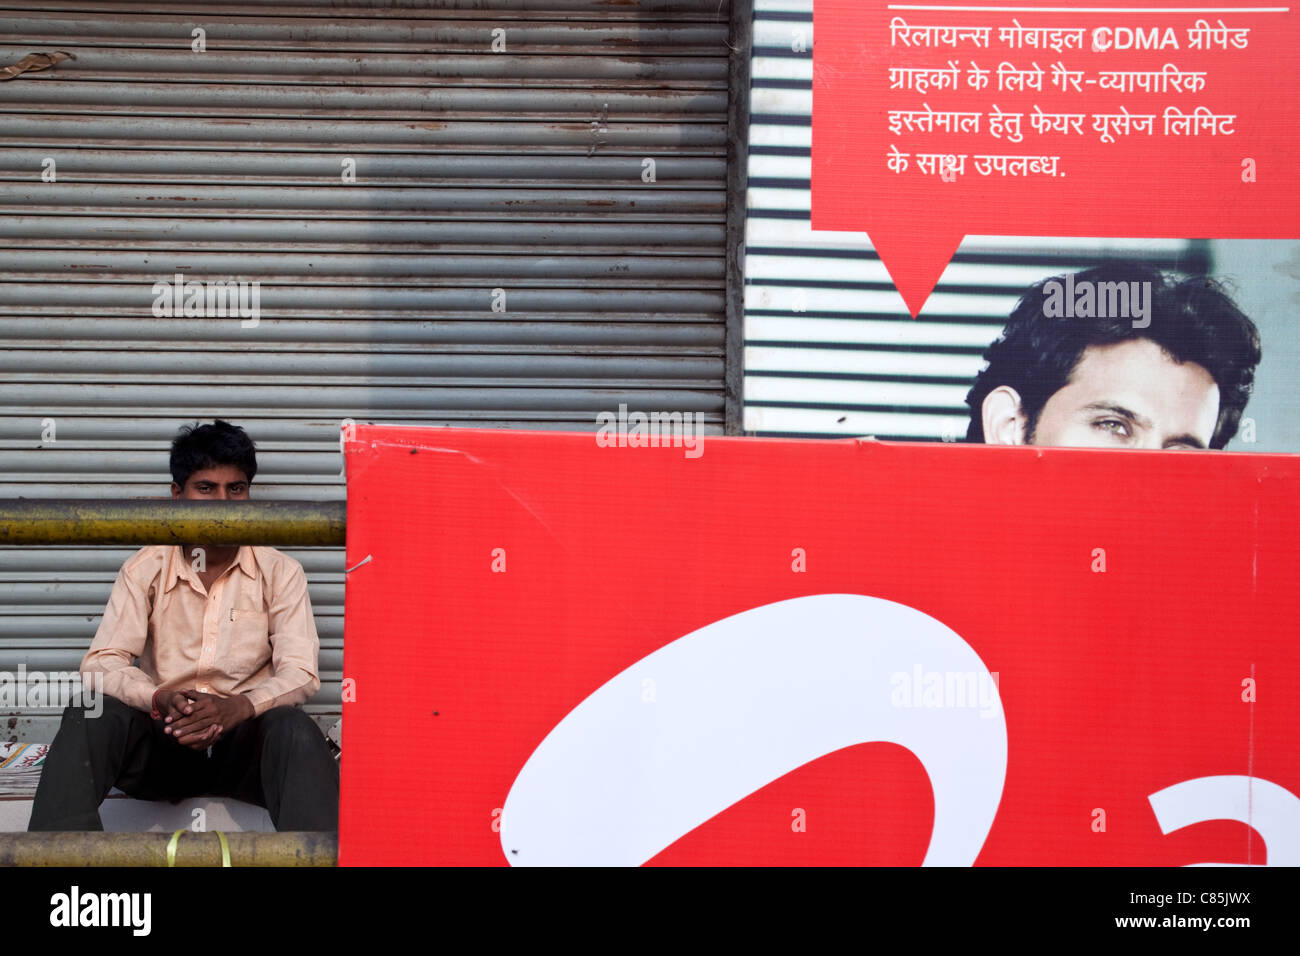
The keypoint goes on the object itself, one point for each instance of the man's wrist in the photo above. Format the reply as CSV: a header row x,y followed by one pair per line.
x,y
244,706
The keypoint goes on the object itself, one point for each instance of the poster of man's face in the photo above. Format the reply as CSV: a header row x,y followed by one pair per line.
x,y
1120,344
1118,356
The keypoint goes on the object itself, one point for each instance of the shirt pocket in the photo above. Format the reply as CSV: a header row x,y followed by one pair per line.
x,y
250,642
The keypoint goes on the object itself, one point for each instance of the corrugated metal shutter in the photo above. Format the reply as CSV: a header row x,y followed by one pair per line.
x,y
503,258
830,350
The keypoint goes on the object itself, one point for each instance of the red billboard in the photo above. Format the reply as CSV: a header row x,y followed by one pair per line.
x,y
562,649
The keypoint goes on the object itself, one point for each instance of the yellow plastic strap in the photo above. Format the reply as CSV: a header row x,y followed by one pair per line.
x,y
171,847
176,838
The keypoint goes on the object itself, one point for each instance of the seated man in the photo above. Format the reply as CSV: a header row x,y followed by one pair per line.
x,y
1119,356
226,646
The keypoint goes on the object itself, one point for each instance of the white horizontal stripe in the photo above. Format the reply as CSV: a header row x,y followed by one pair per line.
x,y
761,268
784,167
781,33
868,332
993,308
770,134
828,422
783,67
838,392
786,232
763,197
782,6
767,358
783,102
1064,246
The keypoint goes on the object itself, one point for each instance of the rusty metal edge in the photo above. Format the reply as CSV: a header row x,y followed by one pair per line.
x,y
150,849
163,521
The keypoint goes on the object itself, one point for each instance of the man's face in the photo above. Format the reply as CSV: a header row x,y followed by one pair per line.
x,y
1131,395
1127,395
223,482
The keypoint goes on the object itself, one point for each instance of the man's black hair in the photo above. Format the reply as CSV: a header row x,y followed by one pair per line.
x,y
211,446
1191,319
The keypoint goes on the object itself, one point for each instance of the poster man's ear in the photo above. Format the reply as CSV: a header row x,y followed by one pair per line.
x,y
1004,419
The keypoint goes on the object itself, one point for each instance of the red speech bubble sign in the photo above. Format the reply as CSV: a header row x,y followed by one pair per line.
x,y
1153,119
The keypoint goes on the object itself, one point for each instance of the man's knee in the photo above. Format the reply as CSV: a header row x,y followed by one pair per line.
x,y
96,712
291,727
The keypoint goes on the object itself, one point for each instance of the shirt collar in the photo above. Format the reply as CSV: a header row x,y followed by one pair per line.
x,y
178,567
245,562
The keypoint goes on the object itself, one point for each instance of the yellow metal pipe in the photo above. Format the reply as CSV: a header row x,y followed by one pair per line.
x,y
150,849
171,521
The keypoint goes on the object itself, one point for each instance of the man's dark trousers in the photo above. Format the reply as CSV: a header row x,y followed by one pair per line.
x,y
278,760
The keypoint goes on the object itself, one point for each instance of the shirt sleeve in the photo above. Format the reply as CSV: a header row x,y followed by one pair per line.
x,y
120,639
295,645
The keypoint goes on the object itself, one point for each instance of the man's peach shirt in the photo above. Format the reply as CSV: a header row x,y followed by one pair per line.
x,y
254,634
